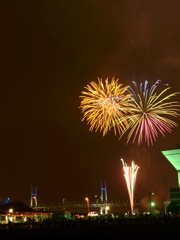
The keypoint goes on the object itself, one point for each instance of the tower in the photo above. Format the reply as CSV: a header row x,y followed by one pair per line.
x,y
103,192
103,208
33,202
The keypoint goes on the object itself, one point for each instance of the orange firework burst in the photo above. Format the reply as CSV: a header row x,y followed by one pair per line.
x,y
105,106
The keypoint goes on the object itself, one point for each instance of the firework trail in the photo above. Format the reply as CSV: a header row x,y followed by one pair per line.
x,y
130,174
151,113
105,106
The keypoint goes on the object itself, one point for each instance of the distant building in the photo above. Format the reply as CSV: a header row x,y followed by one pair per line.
x,y
16,211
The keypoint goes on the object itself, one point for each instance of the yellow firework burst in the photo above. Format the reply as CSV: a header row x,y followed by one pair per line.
x,y
105,105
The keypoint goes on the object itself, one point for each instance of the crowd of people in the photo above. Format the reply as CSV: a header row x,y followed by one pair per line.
x,y
143,226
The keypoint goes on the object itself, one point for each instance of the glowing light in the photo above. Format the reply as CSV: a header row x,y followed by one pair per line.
x,y
10,210
87,199
105,105
152,112
130,174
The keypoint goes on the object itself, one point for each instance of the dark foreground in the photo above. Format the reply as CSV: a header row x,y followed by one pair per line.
x,y
141,227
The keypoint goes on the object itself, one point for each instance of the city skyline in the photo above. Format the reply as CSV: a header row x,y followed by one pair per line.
x,y
50,50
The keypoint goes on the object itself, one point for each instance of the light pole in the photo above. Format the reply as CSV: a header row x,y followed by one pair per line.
x,y
150,201
107,209
98,199
152,207
96,196
87,199
10,216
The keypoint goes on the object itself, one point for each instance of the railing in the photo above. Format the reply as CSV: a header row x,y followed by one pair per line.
x,y
82,207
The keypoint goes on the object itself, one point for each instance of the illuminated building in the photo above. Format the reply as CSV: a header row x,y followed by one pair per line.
x,y
173,157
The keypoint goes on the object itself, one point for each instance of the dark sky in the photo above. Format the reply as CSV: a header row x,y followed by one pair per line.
x,y
49,51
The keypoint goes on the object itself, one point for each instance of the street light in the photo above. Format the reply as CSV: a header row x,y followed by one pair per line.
x,y
152,206
150,201
87,199
96,196
10,216
107,209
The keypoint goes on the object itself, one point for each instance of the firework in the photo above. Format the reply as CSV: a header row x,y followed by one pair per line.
x,y
152,113
130,174
105,105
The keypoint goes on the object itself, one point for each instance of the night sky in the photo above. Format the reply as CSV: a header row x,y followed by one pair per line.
x,y
49,51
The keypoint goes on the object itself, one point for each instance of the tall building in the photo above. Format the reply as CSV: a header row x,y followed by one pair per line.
x,y
173,156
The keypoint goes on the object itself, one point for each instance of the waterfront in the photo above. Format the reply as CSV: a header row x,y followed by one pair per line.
x,y
103,227
71,221
113,207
